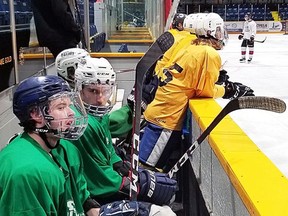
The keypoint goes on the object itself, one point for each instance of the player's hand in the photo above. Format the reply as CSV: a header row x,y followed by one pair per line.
x,y
223,77
252,38
240,37
235,90
156,187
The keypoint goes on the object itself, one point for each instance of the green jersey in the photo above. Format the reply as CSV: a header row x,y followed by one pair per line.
x,y
120,122
35,183
98,153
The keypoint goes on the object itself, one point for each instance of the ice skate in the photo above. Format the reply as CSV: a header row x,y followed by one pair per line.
x,y
242,60
249,60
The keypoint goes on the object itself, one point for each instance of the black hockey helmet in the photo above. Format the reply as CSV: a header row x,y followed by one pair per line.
x,y
178,19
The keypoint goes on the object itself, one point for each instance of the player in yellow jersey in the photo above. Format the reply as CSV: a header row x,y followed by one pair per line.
x,y
150,83
191,71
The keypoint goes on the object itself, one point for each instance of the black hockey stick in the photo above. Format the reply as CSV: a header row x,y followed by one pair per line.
x,y
262,41
145,65
249,102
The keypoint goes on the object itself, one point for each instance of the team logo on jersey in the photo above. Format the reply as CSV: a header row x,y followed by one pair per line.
x,y
71,209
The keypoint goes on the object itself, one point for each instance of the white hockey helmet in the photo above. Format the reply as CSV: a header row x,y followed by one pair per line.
x,y
190,22
210,25
68,60
96,80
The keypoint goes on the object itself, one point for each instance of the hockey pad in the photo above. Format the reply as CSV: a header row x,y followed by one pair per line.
x,y
148,93
235,90
223,77
120,208
156,187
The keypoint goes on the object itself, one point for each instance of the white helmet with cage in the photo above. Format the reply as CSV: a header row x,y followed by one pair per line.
x,y
210,25
96,81
68,60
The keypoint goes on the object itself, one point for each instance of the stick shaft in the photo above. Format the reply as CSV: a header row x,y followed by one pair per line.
x,y
249,102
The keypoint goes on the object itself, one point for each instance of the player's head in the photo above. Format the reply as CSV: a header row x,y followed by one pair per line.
x,y
45,105
211,26
68,60
248,16
189,23
178,20
95,81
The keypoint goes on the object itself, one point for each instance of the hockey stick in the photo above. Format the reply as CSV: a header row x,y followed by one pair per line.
x,y
262,41
145,65
249,102
259,41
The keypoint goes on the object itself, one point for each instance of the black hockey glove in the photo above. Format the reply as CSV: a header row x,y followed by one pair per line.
x,y
156,187
235,90
252,38
240,37
148,93
122,167
223,77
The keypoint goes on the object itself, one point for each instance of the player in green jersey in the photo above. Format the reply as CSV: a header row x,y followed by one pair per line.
x,y
107,175
35,178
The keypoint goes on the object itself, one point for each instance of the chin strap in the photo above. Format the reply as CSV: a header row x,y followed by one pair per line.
x,y
42,133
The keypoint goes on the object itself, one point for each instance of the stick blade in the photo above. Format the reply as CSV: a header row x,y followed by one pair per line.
x,y
265,103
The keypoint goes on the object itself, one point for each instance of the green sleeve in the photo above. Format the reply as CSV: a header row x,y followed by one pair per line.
x,y
120,122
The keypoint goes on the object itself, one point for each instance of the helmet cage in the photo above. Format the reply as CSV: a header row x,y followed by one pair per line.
x,y
97,72
98,110
77,123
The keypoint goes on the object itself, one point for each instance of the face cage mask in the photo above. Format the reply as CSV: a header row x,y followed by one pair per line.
x,y
77,123
99,111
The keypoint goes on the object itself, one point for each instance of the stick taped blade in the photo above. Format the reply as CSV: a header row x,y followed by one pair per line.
x,y
264,103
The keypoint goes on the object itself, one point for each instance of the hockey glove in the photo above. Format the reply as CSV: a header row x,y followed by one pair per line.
x,y
223,77
252,38
120,208
240,37
156,187
235,90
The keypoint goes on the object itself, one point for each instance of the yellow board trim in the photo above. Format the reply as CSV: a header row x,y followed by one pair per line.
x,y
93,54
259,183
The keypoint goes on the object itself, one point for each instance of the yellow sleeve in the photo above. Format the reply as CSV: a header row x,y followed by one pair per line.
x,y
209,75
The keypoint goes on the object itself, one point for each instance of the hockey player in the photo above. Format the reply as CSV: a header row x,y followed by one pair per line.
x,y
191,72
180,30
40,176
150,82
35,179
248,34
106,174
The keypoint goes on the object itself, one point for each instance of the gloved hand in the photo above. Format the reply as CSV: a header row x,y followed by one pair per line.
x,y
235,90
120,208
156,187
148,93
252,38
133,208
240,37
223,77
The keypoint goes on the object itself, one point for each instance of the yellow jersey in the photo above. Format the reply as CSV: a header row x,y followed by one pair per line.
x,y
178,36
191,72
